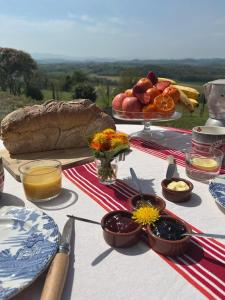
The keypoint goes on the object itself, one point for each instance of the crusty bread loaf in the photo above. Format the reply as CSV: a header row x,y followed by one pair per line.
x,y
53,125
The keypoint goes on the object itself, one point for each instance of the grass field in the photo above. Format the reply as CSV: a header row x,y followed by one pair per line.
x,y
188,120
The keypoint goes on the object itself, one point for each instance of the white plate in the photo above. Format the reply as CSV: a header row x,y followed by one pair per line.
x,y
217,189
28,241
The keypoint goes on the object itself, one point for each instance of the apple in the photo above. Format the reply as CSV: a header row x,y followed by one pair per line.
x,y
162,85
142,85
131,106
152,77
118,100
143,98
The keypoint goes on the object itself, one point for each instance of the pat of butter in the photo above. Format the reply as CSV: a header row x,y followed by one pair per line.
x,y
178,186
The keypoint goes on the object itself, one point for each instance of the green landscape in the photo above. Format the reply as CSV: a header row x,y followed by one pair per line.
x,y
24,81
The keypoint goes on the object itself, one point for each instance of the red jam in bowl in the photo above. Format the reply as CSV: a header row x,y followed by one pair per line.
x,y
120,223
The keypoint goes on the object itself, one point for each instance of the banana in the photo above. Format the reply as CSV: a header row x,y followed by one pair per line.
x,y
190,92
166,79
186,102
194,102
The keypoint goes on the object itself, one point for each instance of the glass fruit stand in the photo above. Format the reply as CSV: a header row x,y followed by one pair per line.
x,y
146,119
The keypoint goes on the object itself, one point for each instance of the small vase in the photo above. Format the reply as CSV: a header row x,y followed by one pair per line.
x,y
107,170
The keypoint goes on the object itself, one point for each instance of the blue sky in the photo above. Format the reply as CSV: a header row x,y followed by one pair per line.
x,y
121,29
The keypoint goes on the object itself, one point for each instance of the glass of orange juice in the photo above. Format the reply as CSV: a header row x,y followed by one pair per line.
x,y
42,179
203,166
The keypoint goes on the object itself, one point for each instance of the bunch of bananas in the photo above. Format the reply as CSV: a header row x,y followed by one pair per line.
x,y
188,96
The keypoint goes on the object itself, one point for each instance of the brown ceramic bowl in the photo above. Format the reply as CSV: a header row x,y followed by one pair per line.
x,y
118,239
176,196
151,199
169,247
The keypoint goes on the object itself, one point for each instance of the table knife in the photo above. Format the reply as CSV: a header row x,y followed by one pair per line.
x,y
171,167
57,273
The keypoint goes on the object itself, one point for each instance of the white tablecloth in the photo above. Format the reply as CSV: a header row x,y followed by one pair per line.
x,y
99,272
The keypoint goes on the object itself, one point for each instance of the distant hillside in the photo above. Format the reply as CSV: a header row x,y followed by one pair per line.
x,y
59,59
188,70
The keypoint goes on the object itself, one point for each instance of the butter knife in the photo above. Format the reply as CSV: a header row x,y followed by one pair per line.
x,y
171,167
57,273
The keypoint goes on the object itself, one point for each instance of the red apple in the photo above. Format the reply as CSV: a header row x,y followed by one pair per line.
x,y
131,106
162,85
142,85
118,100
143,98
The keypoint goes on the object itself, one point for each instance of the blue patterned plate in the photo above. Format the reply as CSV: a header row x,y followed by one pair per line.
x,y
217,189
28,241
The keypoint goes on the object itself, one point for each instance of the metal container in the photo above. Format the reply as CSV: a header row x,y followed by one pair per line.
x,y
1,176
214,92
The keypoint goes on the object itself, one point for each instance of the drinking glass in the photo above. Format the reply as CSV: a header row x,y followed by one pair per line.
x,y
203,167
42,179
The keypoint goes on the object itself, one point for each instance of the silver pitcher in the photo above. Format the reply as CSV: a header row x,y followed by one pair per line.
x,y
1,176
214,93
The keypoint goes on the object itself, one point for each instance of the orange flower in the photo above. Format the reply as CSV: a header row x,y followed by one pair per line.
x,y
108,140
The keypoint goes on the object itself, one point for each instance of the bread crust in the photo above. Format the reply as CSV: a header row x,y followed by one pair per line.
x,y
53,125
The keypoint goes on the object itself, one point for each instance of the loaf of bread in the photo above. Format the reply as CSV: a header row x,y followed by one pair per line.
x,y
53,125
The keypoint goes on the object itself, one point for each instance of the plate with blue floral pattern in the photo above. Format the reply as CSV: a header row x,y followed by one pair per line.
x,y
28,241
217,189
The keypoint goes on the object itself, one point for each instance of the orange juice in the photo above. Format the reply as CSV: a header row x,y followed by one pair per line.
x,y
42,182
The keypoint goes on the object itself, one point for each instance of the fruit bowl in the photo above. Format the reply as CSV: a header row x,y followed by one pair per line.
x,y
153,99
146,119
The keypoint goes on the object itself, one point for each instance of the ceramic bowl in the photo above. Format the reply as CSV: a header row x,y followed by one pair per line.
x,y
176,196
152,199
169,247
118,239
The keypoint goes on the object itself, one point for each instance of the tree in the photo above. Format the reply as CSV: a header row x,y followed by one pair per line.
x,y
34,92
67,84
79,77
16,69
84,91
128,78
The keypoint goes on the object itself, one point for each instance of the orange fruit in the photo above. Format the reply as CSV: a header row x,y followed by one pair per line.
x,y
149,110
153,92
129,92
164,104
172,92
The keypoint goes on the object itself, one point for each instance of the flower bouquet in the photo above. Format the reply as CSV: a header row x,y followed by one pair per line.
x,y
106,146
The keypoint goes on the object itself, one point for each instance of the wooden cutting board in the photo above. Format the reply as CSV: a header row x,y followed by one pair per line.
x,y
67,157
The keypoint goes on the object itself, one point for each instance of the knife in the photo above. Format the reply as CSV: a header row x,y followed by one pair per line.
x,y
171,167
57,273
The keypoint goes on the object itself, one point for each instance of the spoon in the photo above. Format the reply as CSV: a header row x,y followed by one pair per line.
x,y
84,220
137,182
205,235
